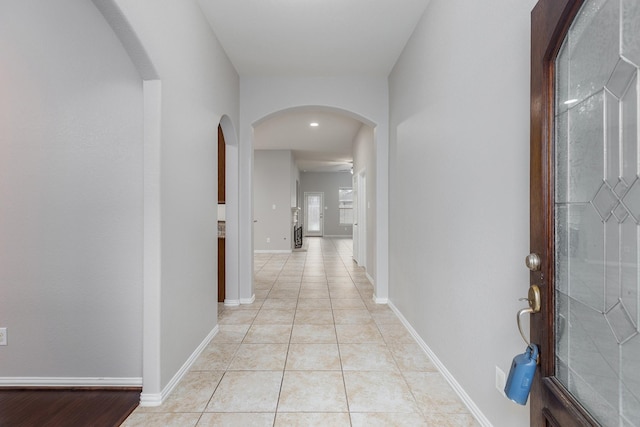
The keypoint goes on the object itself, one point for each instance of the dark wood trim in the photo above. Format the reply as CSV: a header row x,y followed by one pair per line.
x,y
222,152
222,167
550,403
221,270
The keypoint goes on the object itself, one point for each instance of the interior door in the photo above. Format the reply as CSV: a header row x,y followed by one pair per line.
x,y
585,211
314,214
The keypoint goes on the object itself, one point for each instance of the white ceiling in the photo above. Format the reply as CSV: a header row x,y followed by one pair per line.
x,y
325,148
312,38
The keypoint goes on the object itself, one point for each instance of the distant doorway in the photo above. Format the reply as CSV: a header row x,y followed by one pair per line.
x,y
360,218
314,214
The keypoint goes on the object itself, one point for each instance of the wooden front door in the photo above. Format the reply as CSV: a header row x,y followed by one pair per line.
x,y
585,211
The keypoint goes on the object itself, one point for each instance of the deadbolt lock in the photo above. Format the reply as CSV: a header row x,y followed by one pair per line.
x,y
533,298
534,307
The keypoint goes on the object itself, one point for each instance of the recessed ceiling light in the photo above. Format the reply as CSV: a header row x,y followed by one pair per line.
x,y
314,124
571,101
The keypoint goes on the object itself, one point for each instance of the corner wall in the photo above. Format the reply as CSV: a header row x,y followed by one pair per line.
x,y
459,170
71,198
199,86
272,200
364,160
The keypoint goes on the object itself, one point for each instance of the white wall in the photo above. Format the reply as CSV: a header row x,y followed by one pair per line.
x,y
364,160
272,200
459,104
71,197
364,98
295,178
328,183
199,86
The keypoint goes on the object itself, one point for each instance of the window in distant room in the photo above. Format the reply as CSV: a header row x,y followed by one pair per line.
x,y
345,204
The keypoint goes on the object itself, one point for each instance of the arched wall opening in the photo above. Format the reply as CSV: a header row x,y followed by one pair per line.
x,y
369,132
163,365
337,110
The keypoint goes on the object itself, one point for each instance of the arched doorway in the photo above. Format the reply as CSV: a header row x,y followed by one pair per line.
x,y
360,156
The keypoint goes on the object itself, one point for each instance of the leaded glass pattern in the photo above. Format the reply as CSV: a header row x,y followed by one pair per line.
x,y
597,211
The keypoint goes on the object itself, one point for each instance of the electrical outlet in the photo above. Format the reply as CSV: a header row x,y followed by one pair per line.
x,y
268,239
501,380
3,336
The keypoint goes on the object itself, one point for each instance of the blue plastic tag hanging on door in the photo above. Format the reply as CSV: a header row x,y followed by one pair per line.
x,y
521,375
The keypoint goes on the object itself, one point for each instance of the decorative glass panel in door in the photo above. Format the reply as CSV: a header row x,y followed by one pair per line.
x,y
597,211
313,204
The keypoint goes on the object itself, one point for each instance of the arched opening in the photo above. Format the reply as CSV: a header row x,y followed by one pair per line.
x,y
311,158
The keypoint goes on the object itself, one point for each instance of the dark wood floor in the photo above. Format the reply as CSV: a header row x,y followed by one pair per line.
x,y
61,408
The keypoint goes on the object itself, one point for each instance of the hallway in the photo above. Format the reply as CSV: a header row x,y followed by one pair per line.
x,y
313,350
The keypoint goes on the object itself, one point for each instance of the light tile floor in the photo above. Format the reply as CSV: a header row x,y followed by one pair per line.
x,y
313,350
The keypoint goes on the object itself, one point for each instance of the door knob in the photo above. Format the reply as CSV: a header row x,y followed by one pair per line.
x,y
533,262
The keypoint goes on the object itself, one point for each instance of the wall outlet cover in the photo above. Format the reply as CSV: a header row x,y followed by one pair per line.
x,y
3,336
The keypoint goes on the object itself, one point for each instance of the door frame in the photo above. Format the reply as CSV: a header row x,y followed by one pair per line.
x,y
355,230
306,214
550,402
362,219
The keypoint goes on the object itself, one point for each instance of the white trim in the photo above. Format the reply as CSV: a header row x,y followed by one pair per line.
x,y
285,251
152,242
155,399
70,382
337,236
150,399
380,300
231,302
466,399
370,278
381,144
248,300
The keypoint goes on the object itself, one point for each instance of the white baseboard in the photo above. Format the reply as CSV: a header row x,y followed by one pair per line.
x,y
263,251
231,302
380,300
70,382
248,300
337,236
466,399
150,399
155,399
370,278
